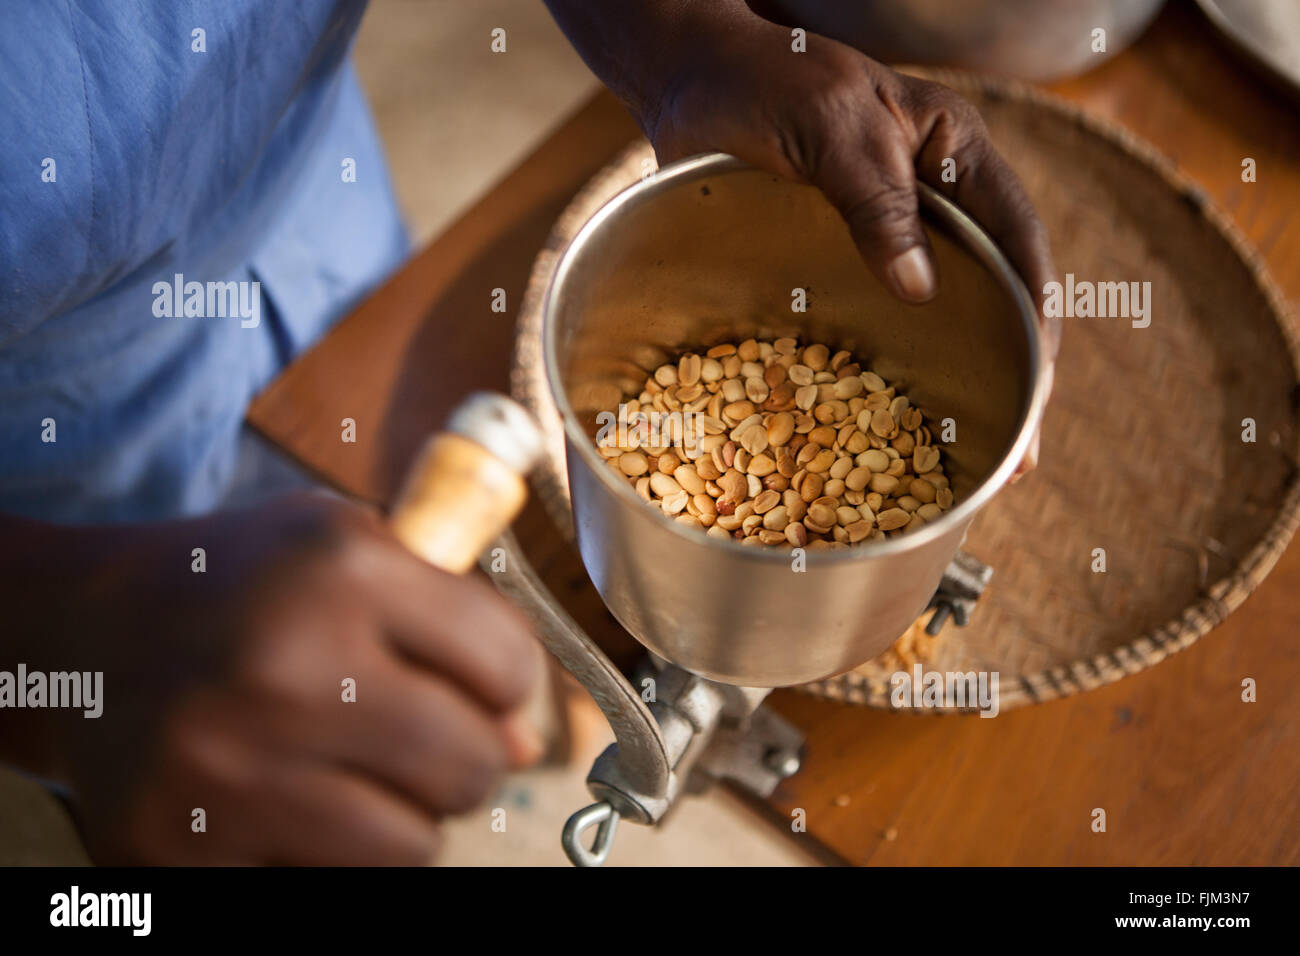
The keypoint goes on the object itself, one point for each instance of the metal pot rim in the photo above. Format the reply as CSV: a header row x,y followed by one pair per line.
x,y
933,204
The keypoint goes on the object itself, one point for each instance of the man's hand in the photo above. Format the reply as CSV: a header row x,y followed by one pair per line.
x,y
705,76
863,134
223,690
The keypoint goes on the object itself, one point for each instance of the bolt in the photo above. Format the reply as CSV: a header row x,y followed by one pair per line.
x,y
783,763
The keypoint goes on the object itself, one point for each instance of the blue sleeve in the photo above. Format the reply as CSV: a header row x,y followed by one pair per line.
x,y
149,126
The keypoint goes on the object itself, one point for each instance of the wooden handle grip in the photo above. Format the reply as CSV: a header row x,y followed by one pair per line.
x,y
457,499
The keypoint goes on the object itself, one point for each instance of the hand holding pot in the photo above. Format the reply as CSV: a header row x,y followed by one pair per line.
x,y
703,77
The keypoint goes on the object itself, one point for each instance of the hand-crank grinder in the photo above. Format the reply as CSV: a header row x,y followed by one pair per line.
x,y
704,251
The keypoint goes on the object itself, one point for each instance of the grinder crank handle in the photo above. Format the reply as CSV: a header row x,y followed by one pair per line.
x,y
467,484
464,490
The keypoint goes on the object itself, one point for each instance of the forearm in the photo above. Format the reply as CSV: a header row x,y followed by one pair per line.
x,y
849,21
637,47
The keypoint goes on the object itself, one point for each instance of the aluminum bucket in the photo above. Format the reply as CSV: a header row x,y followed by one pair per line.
x,y
708,250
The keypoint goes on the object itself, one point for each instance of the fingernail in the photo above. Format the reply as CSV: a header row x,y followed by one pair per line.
x,y
1029,462
913,274
1031,456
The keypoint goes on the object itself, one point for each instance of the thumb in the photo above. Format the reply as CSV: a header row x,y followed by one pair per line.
x,y
875,191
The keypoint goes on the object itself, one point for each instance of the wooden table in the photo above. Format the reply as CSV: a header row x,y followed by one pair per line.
x,y
1186,771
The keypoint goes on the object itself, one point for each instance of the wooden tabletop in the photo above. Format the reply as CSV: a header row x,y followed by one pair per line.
x,y
1186,771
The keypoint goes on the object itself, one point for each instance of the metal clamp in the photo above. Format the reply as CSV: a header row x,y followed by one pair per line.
x,y
964,580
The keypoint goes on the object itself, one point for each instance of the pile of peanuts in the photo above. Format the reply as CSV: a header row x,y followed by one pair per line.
x,y
784,446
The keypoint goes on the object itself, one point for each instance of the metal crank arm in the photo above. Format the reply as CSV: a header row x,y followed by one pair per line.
x,y
643,756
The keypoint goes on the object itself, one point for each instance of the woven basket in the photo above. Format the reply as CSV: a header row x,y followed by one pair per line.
x,y
1142,451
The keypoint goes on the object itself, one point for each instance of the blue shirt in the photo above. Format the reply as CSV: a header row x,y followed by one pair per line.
x,y
150,149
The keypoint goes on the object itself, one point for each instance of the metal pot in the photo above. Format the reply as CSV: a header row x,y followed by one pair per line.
x,y
1030,39
708,250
